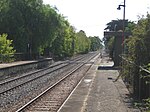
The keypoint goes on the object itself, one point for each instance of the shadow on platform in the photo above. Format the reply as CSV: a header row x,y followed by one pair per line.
x,y
108,68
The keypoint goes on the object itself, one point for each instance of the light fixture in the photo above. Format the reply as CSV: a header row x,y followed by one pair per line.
x,y
119,7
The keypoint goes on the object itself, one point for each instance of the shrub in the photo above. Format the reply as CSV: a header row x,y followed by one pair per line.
x,y
6,50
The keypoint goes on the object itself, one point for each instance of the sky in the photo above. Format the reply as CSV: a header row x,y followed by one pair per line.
x,y
92,16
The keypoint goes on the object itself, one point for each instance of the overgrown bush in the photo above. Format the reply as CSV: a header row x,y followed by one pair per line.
x,y
138,54
6,50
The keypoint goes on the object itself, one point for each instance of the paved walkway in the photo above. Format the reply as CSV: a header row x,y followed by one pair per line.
x,y
98,92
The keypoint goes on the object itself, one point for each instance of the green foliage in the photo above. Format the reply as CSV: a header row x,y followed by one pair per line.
x,y
138,55
144,105
130,26
136,44
29,22
96,43
147,104
62,46
116,25
82,42
110,46
6,50
36,28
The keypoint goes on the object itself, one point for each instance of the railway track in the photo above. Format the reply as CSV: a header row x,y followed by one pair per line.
x,y
52,98
11,84
34,81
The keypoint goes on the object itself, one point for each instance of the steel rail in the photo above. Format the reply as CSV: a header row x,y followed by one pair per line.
x,y
73,90
48,89
32,79
29,74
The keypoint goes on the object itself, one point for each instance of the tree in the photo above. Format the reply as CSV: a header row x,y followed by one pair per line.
x,y
37,29
96,43
138,46
82,42
6,50
31,24
62,46
116,25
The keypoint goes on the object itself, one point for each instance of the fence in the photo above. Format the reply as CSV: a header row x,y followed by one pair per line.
x,y
137,78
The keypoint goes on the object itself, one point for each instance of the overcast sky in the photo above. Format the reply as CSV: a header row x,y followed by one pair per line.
x,y
93,15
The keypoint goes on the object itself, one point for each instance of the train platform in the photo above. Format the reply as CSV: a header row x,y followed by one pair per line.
x,y
5,65
98,91
16,63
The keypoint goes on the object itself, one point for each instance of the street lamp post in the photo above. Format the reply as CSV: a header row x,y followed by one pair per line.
x,y
123,33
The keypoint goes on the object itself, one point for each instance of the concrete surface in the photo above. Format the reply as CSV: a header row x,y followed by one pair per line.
x,y
98,92
4,65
